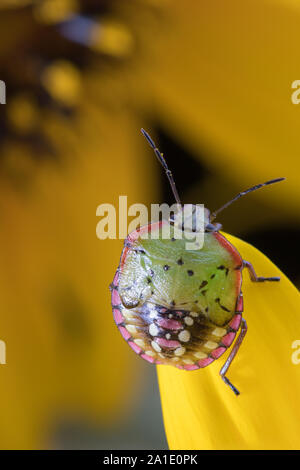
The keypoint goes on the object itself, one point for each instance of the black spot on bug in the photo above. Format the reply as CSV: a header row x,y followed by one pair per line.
x,y
221,267
203,292
173,239
140,251
227,271
151,273
180,262
196,301
238,267
152,292
166,267
149,280
222,306
203,284
190,272
212,276
206,309
173,303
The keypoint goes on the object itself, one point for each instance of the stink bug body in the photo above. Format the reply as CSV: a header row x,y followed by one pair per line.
x,y
176,306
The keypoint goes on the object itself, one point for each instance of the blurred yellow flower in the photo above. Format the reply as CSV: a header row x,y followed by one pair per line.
x,y
110,37
62,81
220,76
64,354
201,412
69,144
14,3
52,11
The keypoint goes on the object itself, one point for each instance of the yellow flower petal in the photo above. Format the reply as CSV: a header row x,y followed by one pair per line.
x,y
201,412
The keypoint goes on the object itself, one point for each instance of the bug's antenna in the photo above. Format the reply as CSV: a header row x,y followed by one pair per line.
x,y
164,164
254,188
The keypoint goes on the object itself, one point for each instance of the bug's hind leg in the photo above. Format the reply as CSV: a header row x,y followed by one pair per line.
x,y
232,355
254,276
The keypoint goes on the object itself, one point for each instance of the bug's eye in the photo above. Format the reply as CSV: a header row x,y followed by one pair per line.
x,y
128,301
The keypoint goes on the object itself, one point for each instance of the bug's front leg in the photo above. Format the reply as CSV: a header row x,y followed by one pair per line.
x,y
254,276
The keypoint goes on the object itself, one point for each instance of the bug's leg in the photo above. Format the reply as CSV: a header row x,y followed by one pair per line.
x,y
232,355
254,276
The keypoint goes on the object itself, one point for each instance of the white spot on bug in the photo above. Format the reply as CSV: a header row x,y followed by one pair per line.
x,y
175,359
219,332
168,336
179,351
184,336
189,321
188,361
170,316
140,343
211,345
127,314
150,353
200,355
132,329
152,311
194,314
155,346
153,329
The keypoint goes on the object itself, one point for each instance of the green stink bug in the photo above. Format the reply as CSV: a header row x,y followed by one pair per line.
x,y
177,306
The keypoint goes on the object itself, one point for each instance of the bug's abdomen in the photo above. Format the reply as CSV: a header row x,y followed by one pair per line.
x,y
182,338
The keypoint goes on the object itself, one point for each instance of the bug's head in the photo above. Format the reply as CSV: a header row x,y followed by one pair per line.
x,y
191,223
189,218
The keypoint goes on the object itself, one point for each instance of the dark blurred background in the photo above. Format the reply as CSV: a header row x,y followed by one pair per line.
x,y
211,82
